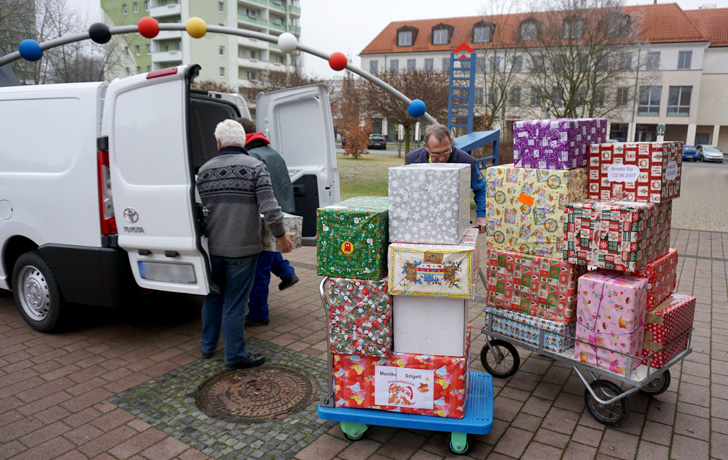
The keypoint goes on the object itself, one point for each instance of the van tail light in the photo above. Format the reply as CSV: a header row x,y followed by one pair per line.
x,y
106,204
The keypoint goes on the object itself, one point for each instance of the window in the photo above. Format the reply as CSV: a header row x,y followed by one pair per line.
x,y
439,37
528,30
683,60
535,99
618,25
149,68
446,64
252,75
429,64
599,97
404,38
136,7
480,63
128,72
278,21
394,65
220,7
479,95
221,50
373,66
149,48
280,60
494,64
653,60
123,9
537,63
138,70
126,51
251,13
137,51
222,71
515,96
411,65
517,64
493,97
678,101
573,29
625,61
649,103
622,96
482,32
146,5
252,55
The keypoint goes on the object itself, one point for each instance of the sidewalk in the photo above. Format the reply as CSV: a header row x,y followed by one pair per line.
x,y
121,386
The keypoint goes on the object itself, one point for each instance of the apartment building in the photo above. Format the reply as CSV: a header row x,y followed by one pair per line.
x,y
686,55
232,60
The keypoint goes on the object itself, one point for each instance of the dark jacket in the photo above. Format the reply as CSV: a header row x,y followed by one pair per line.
x,y
258,147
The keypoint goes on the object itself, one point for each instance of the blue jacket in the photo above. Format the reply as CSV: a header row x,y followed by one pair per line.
x,y
477,183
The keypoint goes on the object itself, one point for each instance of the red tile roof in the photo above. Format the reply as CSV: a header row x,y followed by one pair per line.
x,y
713,23
657,23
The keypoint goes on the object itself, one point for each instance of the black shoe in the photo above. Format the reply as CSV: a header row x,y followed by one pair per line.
x,y
253,359
208,355
288,283
256,322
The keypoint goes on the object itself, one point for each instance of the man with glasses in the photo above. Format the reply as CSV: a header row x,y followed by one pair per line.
x,y
438,148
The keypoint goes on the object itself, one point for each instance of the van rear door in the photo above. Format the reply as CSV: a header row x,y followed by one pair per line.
x,y
299,125
146,121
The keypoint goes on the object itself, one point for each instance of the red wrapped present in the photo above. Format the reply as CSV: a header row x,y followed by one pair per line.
x,y
403,382
540,286
661,278
617,235
666,326
641,171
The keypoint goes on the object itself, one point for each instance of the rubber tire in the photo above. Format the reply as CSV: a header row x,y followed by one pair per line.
x,y
464,451
623,403
658,385
354,438
509,349
32,272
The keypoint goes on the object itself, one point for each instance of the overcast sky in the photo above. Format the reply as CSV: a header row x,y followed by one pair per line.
x,y
349,25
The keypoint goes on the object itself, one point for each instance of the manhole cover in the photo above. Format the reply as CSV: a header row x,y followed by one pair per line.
x,y
256,395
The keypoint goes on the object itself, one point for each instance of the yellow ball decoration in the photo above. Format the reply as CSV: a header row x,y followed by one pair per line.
x,y
196,27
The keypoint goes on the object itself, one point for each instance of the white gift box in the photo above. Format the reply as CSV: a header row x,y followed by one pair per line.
x,y
292,224
429,325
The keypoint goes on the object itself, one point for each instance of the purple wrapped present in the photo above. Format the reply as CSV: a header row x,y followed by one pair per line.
x,y
556,144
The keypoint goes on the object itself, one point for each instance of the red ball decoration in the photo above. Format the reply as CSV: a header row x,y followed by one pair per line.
x,y
338,61
148,27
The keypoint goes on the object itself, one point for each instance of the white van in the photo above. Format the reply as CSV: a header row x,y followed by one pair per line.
x,y
97,184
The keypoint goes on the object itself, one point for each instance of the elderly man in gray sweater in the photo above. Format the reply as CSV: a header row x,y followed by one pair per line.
x,y
236,189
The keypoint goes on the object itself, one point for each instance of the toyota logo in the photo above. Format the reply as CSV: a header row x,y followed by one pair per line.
x,y
130,215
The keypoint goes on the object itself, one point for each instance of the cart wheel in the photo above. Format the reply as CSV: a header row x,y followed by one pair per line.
x,y
500,358
658,385
613,414
353,431
459,443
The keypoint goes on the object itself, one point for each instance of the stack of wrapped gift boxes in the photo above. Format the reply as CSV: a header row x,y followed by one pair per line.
x,y
626,308
530,288
401,343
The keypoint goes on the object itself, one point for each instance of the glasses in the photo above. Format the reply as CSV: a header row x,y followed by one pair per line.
x,y
438,155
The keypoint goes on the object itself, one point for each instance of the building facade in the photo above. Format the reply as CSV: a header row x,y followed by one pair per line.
x,y
228,59
684,53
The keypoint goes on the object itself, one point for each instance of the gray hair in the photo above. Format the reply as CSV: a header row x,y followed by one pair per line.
x,y
230,132
437,131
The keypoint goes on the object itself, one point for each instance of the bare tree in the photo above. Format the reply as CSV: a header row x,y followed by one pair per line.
x,y
276,80
17,24
352,109
429,86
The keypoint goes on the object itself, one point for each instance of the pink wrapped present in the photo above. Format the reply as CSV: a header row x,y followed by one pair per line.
x,y
610,312
666,327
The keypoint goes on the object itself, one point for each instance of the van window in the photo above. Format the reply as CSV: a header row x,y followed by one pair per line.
x,y
205,114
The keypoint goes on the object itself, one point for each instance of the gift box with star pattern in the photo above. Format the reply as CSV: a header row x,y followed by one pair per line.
x,y
351,238
360,316
429,203
556,144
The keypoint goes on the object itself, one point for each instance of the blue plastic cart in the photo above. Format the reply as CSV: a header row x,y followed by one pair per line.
x,y
354,422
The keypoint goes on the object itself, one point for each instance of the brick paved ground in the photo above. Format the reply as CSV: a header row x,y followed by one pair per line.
x,y
60,395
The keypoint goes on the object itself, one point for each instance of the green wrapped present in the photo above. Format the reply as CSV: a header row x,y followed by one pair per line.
x,y
352,238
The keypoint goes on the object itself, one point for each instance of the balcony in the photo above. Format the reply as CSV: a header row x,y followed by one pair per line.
x,y
169,35
167,57
252,64
252,43
278,27
254,2
280,6
252,20
174,9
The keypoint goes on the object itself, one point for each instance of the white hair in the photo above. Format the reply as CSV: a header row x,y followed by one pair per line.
x,y
230,132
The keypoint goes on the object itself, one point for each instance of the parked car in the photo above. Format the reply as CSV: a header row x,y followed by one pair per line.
x,y
343,140
690,153
377,141
709,153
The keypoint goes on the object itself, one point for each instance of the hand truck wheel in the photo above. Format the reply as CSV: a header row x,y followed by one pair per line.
x,y
610,414
658,385
500,358
459,443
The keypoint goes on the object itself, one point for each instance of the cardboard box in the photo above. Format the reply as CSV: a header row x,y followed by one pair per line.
x,y
539,286
556,144
360,316
525,207
558,336
618,235
435,270
292,224
665,328
429,203
640,171
429,325
352,238
610,313
403,382
661,275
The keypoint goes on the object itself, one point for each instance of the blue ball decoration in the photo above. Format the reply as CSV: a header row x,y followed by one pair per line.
x,y
99,33
30,50
416,108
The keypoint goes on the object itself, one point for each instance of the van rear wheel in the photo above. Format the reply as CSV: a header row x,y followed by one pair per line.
x,y
36,292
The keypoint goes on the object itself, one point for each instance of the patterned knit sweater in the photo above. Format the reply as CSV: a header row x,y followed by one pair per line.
x,y
236,189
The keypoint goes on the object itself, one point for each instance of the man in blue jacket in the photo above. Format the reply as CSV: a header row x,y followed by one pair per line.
x,y
438,148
